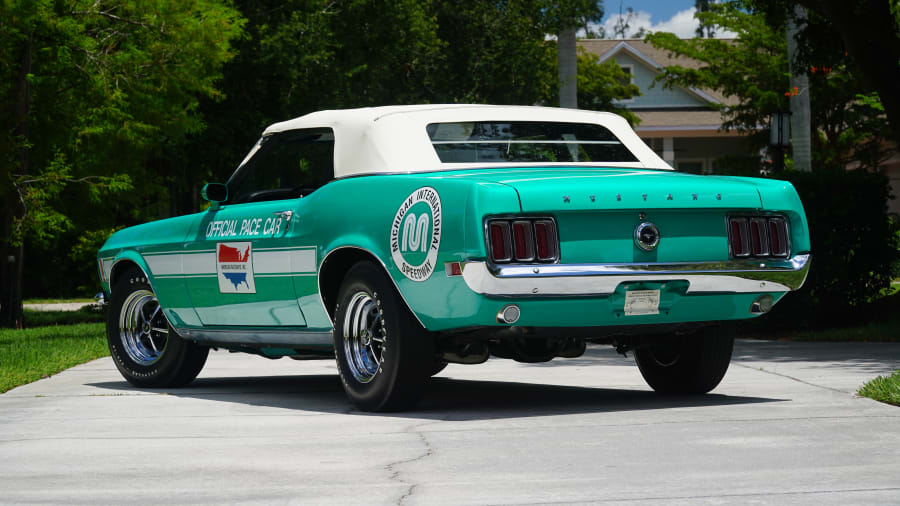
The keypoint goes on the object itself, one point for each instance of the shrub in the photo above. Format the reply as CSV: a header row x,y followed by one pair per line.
x,y
854,246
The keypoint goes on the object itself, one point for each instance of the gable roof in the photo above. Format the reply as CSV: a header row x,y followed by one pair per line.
x,y
654,58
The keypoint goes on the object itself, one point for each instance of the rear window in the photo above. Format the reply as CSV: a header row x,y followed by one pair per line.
x,y
525,141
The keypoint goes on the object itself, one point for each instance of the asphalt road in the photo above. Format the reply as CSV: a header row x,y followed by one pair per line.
x,y
784,427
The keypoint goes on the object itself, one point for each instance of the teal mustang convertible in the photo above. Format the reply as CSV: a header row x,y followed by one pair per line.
x,y
400,239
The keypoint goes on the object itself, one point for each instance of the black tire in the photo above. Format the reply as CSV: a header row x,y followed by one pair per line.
x,y
384,356
437,366
692,364
154,356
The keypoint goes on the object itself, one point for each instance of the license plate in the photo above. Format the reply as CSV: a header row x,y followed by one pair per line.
x,y
638,302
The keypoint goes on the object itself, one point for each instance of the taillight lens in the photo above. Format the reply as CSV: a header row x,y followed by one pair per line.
x,y
547,242
778,237
523,240
500,241
739,236
758,236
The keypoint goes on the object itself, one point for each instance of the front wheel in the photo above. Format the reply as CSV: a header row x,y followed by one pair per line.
x,y
384,356
693,364
145,349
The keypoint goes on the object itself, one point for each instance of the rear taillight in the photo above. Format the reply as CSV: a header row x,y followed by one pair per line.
x,y
523,240
547,242
778,237
500,241
758,236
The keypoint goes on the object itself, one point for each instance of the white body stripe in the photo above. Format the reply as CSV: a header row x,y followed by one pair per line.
x,y
274,261
199,263
164,264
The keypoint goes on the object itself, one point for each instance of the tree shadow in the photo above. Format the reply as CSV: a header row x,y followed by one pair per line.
x,y
875,358
445,398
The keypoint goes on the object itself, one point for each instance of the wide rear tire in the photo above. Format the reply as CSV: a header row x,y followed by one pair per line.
x,y
384,356
692,364
144,347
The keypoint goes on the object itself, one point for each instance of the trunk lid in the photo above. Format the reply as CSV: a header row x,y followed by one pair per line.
x,y
591,189
598,210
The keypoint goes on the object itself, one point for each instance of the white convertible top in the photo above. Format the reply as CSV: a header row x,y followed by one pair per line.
x,y
393,139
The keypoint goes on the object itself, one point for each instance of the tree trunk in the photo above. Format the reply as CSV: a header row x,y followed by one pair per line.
x,y
567,58
11,314
869,33
800,108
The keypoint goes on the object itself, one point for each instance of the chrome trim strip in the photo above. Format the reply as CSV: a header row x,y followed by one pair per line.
x,y
543,280
288,338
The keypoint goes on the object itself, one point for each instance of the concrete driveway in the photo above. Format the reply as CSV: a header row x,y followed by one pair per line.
x,y
784,427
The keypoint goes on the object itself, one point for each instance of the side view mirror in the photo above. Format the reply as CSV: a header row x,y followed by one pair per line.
x,y
214,192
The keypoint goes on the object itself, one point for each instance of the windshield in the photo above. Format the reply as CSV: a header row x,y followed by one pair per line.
x,y
526,141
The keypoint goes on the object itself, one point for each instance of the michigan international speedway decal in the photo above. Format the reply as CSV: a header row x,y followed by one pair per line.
x,y
416,234
234,267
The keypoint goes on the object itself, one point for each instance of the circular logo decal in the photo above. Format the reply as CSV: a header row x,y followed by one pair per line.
x,y
646,236
416,234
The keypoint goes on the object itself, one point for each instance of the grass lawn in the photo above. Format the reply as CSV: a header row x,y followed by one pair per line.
x,y
31,354
54,301
883,388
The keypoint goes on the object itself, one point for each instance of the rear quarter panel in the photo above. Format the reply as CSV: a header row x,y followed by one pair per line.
x,y
361,212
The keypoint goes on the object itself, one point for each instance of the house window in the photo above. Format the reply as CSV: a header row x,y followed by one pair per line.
x,y
628,69
629,73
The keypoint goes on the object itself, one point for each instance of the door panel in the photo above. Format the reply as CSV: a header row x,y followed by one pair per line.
x,y
246,264
257,239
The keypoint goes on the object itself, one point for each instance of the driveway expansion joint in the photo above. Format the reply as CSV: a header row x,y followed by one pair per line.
x,y
760,369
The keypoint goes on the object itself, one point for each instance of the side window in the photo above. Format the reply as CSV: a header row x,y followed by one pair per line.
x,y
287,165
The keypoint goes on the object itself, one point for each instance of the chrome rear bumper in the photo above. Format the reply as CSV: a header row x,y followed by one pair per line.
x,y
548,280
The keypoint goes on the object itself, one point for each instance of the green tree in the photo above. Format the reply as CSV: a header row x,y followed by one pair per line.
x,y
847,119
753,68
703,30
94,90
868,30
301,56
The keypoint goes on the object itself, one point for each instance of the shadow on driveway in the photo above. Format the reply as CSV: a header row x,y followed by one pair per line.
x,y
445,398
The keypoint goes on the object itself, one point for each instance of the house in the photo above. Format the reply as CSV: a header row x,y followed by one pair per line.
x,y
681,124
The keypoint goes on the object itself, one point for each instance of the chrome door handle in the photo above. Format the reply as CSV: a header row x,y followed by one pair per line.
x,y
285,214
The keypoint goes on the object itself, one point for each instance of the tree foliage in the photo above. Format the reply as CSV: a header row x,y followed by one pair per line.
x,y
752,68
847,118
92,89
867,31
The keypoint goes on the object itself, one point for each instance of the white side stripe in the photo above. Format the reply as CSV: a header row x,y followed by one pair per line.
x,y
283,261
199,263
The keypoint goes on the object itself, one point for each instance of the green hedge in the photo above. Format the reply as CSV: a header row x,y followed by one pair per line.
x,y
854,248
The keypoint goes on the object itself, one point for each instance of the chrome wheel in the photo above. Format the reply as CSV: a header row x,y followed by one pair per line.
x,y
143,328
364,337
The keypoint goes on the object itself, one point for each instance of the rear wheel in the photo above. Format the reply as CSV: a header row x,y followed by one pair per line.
x,y
384,356
693,364
145,349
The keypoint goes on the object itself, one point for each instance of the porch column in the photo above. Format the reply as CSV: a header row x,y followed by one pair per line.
x,y
669,150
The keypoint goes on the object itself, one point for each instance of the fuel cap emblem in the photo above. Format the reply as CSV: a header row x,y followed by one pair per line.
x,y
646,236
